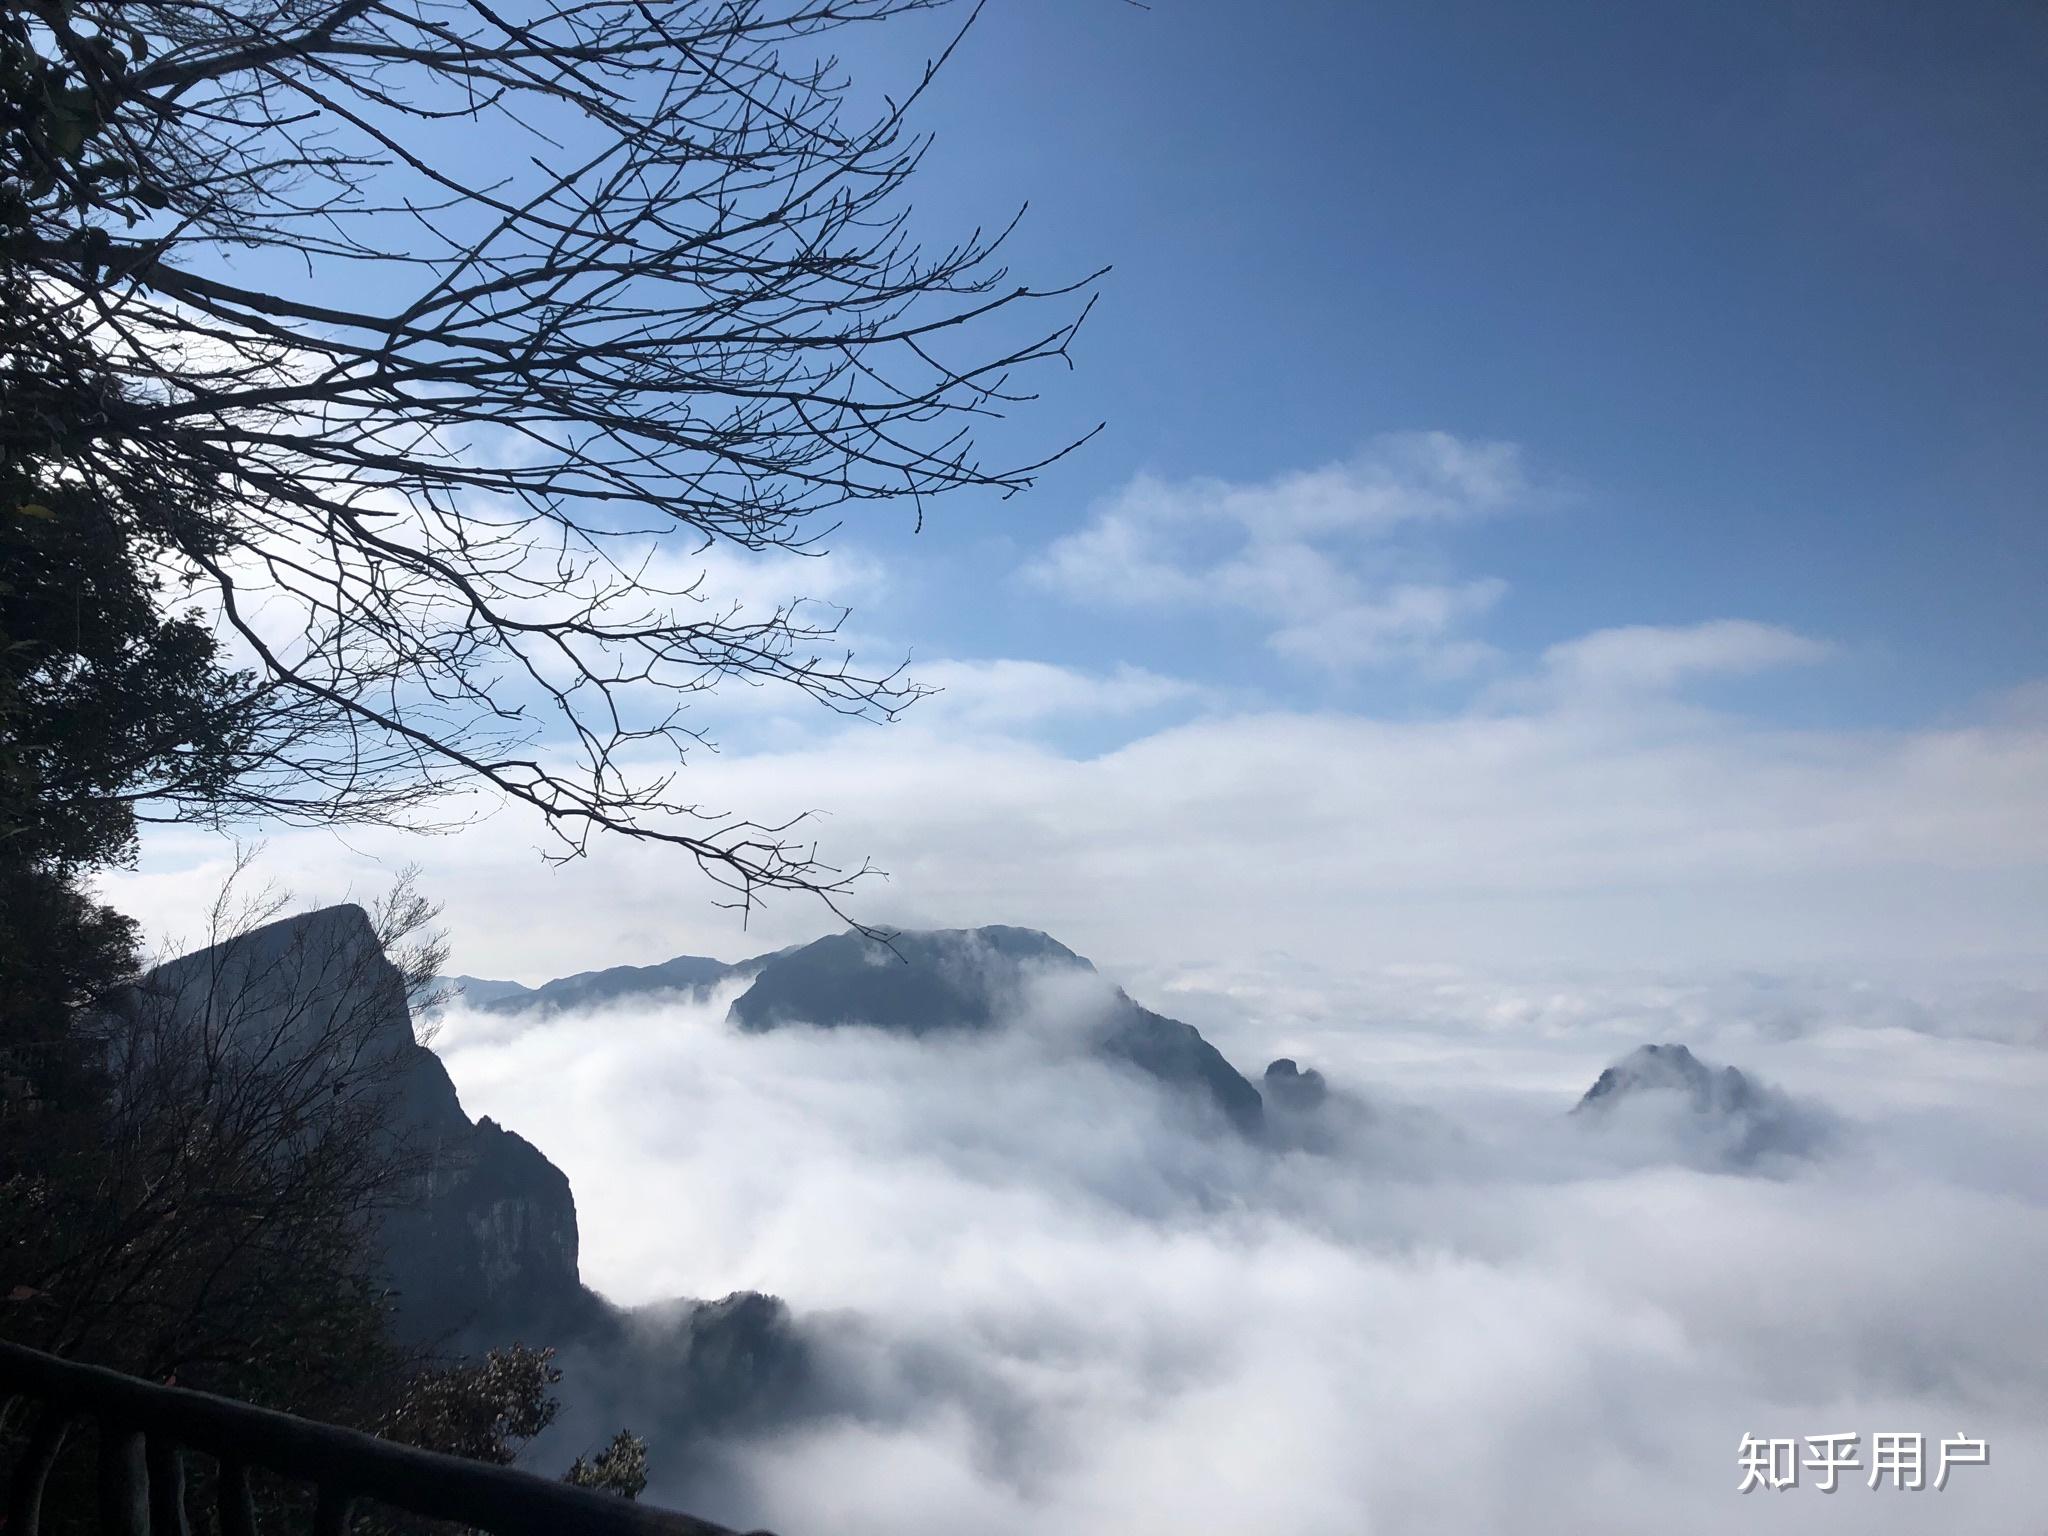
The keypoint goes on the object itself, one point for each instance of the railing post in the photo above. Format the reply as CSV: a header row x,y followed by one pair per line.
x,y
124,1482
237,1508
166,1488
143,1429
25,1496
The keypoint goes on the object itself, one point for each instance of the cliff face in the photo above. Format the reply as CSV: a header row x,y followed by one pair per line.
x,y
481,1248
482,1243
488,1250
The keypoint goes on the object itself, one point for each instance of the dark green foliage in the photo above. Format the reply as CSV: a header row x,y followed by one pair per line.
x,y
107,698
104,698
61,953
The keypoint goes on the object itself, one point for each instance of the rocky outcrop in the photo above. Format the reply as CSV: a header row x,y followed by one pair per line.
x,y
978,978
482,1238
1716,1114
1287,1086
1671,1069
697,1367
489,1251
481,1247
1177,1055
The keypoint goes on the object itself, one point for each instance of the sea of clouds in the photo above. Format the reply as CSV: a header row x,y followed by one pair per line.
x,y
1042,1296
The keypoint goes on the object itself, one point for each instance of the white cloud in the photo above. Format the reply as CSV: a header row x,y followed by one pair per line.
x,y
1412,620
721,576
1042,1303
1641,657
1561,833
1007,693
1398,478
1309,553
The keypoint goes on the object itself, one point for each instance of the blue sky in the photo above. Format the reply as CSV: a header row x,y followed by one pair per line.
x,y
1754,288
1570,494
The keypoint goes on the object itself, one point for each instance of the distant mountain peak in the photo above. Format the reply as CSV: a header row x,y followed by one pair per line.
x,y
916,981
1673,1068
1288,1085
924,981
694,975
1731,1117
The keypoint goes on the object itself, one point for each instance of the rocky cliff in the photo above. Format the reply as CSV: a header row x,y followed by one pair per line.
x,y
482,1241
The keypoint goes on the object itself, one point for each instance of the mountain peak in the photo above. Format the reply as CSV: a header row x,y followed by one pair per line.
x,y
917,981
1726,1116
1287,1084
924,981
1672,1067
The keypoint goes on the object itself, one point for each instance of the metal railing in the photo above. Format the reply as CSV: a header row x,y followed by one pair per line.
x,y
145,1431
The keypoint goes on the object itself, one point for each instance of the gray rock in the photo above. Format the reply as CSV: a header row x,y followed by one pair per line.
x,y
1287,1086
483,1237
971,978
482,1249
1719,1113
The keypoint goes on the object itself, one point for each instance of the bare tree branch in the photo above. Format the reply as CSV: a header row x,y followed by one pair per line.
x,y
469,324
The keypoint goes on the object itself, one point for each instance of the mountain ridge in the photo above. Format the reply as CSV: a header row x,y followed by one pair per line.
x,y
925,981
916,981
692,974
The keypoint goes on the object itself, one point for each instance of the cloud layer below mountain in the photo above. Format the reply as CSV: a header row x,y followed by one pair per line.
x,y
1043,1301
1596,830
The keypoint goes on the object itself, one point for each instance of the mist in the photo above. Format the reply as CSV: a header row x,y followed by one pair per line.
x,y
1037,1291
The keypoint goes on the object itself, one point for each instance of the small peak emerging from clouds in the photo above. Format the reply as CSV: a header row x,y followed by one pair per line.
x,y
1712,1114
